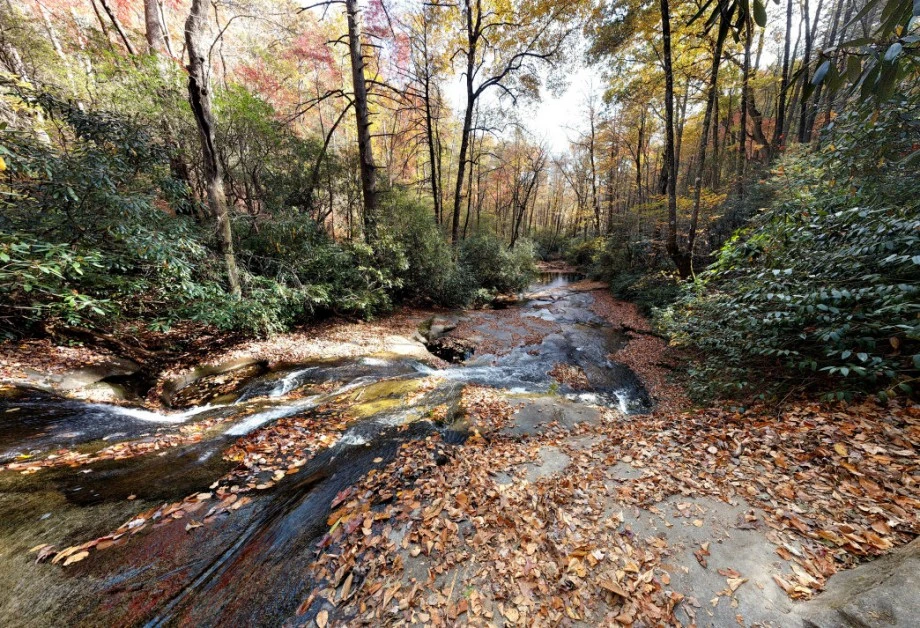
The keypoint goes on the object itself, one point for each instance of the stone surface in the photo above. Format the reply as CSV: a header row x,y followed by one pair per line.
x,y
883,592
687,525
533,415
83,376
552,462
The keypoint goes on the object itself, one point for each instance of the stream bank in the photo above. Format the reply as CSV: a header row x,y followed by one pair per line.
x,y
529,483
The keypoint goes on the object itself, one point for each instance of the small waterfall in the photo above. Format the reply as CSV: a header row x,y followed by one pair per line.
x,y
289,382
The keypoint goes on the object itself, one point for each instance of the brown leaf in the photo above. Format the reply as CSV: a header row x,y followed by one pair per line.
x,y
75,558
613,587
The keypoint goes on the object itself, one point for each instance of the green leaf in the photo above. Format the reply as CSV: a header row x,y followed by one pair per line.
x,y
893,51
760,13
821,72
854,67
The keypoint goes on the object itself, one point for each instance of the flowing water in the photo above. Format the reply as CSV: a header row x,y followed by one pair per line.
x,y
251,568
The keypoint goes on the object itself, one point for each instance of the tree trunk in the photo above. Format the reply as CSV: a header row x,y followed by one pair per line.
x,y
118,27
199,96
12,59
745,97
639,158
806,63
595,201
669,155
829,38
471,39
156,41
362,115
704,140
432,147
784,82
461,168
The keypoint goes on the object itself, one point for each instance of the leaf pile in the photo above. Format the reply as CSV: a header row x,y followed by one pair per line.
x,y
161,442
570,375
447,533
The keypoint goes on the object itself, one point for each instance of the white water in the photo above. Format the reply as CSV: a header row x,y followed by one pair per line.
x,y
289,382
154,417
261,418
352,440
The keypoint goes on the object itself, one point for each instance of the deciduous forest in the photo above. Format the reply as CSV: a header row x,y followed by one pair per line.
x,y
437,312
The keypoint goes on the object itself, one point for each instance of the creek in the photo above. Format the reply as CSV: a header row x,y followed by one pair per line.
x,y
251,567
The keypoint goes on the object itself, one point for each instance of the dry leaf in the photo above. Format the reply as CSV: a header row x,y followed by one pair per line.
x,y
75,558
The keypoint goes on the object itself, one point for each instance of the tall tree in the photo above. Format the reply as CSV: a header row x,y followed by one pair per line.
x,y
118,27
156,41
784,81
199,97
669,155
745,97
724,24
497,44
363,119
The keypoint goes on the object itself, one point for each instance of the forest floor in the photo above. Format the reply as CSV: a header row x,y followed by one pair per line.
x,y
555,510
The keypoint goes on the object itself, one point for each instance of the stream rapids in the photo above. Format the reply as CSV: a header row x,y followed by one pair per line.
x,y
252,568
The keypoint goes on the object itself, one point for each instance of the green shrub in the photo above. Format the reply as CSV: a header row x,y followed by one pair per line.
x,y
824,284
649,289
549,245
429,270
495,267
583,253
84,212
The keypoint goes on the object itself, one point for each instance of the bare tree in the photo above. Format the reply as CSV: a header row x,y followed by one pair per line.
x,y
537,36
669,132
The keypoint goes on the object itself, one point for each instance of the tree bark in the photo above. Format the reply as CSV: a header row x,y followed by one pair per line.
x,y
784,82
432,148
199,96
118,27
806,63
362,116
724,25
12,59
472,40
595,200
156,41
745,94
669,155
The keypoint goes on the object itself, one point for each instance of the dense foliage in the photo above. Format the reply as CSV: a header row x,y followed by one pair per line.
x,y
826,282
96,226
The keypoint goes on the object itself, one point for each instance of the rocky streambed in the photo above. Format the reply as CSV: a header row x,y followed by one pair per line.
x,y
209,511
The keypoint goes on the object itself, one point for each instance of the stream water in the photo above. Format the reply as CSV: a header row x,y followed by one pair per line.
x,y
251,568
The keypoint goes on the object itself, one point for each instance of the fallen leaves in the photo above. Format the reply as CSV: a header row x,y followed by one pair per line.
x,y
570,375
542,553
